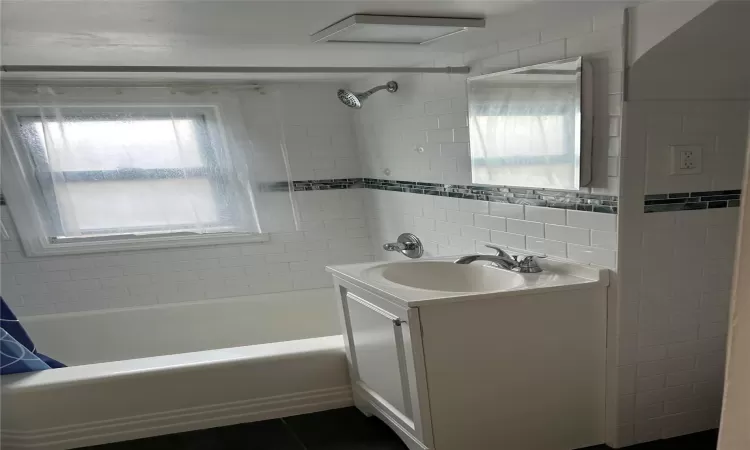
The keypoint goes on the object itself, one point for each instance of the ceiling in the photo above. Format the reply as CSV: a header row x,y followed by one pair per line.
x,y
226,33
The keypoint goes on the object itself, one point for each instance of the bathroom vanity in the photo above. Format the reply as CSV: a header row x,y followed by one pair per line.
x,y
459,357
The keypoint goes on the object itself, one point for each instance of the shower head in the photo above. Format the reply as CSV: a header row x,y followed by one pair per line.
x,y
350,99
354,100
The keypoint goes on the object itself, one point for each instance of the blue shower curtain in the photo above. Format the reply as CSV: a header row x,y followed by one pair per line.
x,y
17,351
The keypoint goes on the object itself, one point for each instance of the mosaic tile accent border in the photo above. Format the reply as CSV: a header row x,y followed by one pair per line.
x,y
501,194
686,201
324,185
313,185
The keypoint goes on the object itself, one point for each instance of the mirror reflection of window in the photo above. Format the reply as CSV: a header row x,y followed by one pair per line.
x,y
525,126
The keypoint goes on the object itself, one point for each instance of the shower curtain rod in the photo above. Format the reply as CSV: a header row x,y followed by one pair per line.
x,y
230,69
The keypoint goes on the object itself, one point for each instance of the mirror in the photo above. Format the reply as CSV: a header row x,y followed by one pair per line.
x,y
526,127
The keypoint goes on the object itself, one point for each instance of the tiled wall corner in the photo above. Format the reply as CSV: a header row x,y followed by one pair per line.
x,y
676,271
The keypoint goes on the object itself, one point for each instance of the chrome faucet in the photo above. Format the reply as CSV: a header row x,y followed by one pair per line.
x,y
505,261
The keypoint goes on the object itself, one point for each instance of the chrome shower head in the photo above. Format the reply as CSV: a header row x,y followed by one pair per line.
x,y
350,99
354,100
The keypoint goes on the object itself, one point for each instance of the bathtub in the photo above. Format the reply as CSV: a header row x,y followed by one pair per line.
x,y
147,371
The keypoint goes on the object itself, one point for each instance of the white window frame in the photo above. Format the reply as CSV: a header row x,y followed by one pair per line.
x,y
150,242
17,187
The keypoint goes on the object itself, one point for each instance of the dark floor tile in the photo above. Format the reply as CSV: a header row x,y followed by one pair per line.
x,y
338,429
265,435
698,441
705,440
343,429
153,443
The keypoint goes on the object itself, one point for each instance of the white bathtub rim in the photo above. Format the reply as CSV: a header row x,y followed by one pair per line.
x,y
102,372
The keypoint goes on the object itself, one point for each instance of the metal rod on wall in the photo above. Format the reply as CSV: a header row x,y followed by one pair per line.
x,y
206,69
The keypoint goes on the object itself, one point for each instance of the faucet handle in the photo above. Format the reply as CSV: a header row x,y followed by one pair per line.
x,y
407,244
527,258
528,263
500,251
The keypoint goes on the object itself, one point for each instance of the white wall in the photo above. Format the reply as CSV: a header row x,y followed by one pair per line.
x,y
333,229
451,226
318,132
651,23
675,272
675,267
704,59
736,409
719,128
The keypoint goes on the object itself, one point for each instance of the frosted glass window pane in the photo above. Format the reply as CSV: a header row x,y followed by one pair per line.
x,y
119,144
176,204
105,173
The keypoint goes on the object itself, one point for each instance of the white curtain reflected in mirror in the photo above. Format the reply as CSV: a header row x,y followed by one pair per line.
x,y
525,126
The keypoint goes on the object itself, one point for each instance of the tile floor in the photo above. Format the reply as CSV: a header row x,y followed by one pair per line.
x,y
338,429
698,441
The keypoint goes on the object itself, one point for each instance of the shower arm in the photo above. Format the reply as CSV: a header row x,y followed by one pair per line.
x,y
390,86
354,100
369,92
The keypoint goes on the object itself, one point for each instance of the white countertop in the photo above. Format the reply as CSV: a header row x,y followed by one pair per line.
x,y
557,276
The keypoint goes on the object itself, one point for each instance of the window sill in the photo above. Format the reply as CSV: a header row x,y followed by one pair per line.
x,y
143,243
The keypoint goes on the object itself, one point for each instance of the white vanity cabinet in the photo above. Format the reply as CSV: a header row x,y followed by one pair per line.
x,y
517,370
386,364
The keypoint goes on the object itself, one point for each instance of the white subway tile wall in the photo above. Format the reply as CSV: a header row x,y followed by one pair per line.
x,y
290,261
318,133
675,269
718,128
672,348
390,213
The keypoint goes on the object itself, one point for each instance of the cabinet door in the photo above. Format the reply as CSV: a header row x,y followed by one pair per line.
x,y
379,353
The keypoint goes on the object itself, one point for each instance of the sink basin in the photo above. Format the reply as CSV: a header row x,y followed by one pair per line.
x,y
445,276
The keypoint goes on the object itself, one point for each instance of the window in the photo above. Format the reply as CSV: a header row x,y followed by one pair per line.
x,y
105,177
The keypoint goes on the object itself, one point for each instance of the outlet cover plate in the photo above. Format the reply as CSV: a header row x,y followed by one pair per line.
x,y
686,159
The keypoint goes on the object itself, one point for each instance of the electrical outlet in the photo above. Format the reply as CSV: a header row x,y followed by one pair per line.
x,y
687,159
